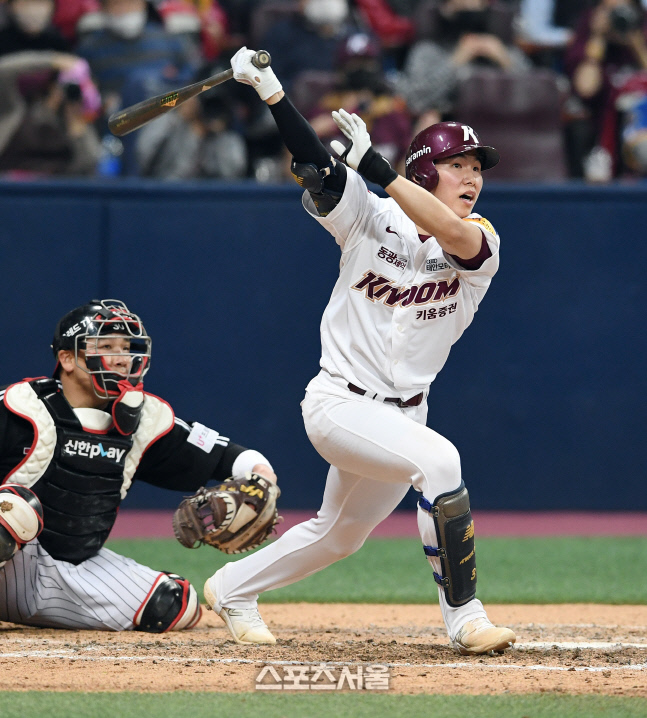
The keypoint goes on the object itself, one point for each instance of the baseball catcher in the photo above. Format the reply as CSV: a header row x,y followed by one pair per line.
x,y
71,447
234,516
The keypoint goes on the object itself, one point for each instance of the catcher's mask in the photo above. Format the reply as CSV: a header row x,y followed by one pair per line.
x,y
441,140
87,331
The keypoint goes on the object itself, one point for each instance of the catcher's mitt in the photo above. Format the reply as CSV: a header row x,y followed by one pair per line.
x,y
234,516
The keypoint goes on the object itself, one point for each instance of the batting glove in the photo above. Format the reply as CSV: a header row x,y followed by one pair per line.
x,y
264,81
353,127
360,155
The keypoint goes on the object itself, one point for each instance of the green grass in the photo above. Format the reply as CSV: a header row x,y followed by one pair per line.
x,y
358,705
519,570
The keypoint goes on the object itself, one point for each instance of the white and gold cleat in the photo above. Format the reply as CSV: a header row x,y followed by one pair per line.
x,y
245,624
480,636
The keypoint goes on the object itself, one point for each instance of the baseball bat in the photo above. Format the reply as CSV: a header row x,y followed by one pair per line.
x,y
132,118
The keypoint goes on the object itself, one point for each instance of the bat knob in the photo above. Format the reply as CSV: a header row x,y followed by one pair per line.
x,y
262,59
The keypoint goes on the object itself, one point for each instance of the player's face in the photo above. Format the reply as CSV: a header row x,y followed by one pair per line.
x,y
459,182
114,351
77,380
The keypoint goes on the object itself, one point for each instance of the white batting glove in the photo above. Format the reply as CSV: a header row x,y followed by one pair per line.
x,y
360,155
354,127
264,81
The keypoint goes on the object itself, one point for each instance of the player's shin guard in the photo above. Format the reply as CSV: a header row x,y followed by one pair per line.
x,y
21,519
171,605
455,550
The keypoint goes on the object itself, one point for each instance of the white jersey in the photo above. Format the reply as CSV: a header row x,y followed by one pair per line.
x,y
399,303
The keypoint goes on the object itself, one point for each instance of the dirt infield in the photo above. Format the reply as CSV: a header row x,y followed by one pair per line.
x,y
581,648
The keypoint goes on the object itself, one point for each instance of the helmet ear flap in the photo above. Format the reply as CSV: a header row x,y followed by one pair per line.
x,y
428,180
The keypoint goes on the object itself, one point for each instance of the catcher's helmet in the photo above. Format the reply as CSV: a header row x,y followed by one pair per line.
x,y
104,318
444,139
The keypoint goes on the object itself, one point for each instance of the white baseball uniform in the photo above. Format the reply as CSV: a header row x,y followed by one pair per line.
x,y
398,306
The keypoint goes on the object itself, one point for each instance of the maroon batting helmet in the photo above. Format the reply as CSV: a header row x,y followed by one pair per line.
x,y
444,139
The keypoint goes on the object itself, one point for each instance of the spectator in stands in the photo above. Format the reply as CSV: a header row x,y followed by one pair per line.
x,y
126,50
392,23
201,22
608,51
46,115
29,27
435,66
632,105
69,12
546,28
240,14
537,24
195,141
308,40
205,18
178,16
133,57
362,88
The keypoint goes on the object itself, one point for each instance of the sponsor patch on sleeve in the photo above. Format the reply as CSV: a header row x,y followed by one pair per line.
x,y
205,438
484,222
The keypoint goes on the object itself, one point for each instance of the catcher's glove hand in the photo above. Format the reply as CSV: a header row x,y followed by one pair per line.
x,y
234,516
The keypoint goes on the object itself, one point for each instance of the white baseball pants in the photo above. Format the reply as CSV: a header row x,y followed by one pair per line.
x,y
376,451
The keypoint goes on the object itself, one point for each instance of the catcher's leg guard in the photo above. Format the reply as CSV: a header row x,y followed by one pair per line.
x,y
455,533
21,519
171,605
8,546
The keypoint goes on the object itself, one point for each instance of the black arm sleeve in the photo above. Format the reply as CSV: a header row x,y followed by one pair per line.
x,y
304,144
173,463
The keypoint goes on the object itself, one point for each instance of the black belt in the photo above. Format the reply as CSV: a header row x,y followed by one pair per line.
x,y
414,401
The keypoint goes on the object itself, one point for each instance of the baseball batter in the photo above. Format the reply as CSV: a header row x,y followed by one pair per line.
x,y
70,448
413,271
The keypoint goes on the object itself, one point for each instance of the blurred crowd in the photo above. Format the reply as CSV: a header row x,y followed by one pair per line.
x,y
559,86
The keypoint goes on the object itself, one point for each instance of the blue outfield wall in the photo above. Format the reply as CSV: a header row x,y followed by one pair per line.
x,y
544,395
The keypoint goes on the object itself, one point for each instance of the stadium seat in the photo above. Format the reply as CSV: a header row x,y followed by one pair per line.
x,y
520,115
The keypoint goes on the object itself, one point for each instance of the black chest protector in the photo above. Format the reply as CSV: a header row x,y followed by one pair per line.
x,y
81,488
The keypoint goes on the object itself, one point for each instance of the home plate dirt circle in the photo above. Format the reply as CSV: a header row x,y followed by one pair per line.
x,y
577,648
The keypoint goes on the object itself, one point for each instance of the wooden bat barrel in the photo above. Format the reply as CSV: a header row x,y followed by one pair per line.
x,y
131,118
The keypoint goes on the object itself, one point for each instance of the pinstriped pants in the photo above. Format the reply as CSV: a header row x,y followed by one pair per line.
x,y
102,593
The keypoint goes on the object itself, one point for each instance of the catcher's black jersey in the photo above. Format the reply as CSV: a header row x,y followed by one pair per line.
x,y
83,479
